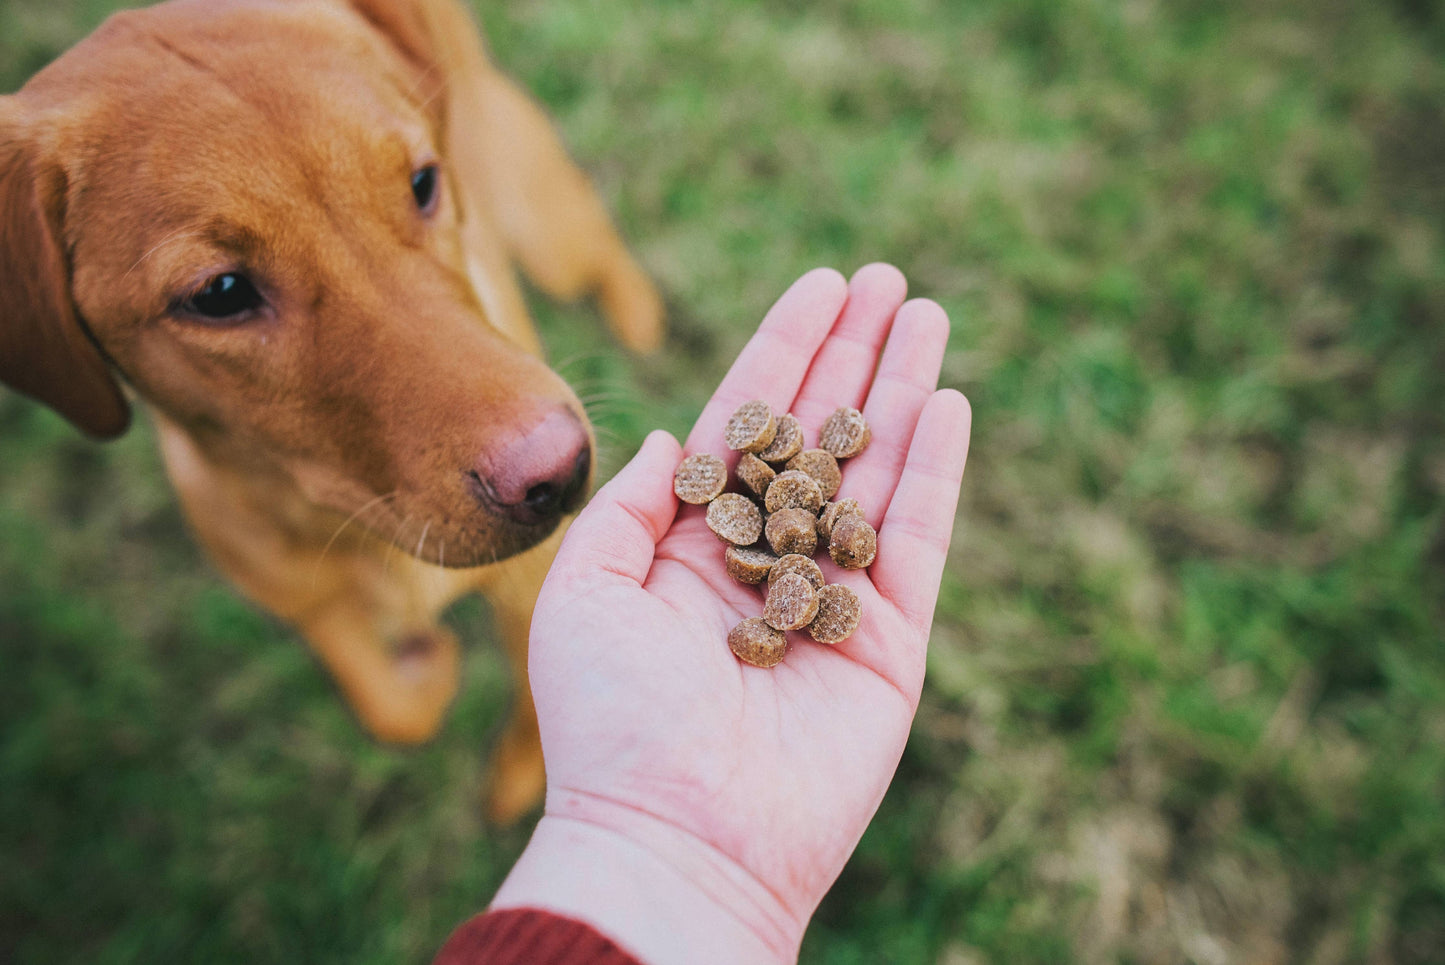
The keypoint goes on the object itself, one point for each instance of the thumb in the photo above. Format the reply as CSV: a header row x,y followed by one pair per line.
x,y
615,536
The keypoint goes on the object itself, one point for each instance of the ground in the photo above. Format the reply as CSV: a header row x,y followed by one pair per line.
x,y
1186,697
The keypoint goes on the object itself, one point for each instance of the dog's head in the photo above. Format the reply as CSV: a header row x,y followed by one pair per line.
x,y
246,210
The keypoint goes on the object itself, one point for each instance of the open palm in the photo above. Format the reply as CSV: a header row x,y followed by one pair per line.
x,y
650,726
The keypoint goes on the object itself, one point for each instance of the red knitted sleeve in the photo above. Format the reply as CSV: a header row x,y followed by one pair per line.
x,y
528,936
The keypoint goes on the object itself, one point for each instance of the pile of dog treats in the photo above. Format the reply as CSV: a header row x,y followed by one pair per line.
x,y
786,515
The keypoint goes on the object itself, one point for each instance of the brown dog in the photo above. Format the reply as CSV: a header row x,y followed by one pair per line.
x,y
290,225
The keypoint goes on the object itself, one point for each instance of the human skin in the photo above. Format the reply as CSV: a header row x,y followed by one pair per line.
x,y
699,808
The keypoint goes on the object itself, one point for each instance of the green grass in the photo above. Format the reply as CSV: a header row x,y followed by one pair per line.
x,y
1187,682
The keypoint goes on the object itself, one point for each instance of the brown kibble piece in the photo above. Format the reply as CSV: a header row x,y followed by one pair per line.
x,y
747,565
757,643
794,490
792,531
700,478
831,512
799,565
792,603
734,518
821,465
751,427
755,474
838,613
787,440
844,433
853,543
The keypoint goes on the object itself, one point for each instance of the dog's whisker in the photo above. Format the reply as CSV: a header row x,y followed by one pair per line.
x,y
613,405
612,439
434,96
395,546
180,234
365,507
575,359
426,76
618,396
422,541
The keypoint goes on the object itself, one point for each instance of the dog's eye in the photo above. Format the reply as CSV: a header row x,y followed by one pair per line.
x,y
424,187
224,297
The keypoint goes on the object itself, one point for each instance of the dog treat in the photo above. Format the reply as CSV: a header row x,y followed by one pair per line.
x,y
700,478
794,490
787,440
755,474
797,564
751,427
796,486
830,514
845,433
792,531
734,518
838,613
792,603
853,543
757,643
820,464
751,566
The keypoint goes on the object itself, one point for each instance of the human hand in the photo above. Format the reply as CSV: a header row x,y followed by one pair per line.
x,y
698,808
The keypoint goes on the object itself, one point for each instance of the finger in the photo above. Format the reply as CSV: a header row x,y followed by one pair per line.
x,y
843,367
616,535
913,539
772,365
906,379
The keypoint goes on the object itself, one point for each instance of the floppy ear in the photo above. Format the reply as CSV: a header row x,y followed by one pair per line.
x,y
441,40
45,352
409,26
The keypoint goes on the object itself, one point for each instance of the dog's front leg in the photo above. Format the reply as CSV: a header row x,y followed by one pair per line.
x,y
517,779
368,610
400,683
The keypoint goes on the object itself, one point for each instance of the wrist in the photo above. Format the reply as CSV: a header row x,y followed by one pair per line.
x,y
660,892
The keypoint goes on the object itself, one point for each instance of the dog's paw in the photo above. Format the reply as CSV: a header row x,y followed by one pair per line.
x,y
516,780
633,308
407,702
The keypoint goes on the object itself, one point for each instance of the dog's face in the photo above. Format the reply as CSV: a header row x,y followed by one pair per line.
x,y
270,252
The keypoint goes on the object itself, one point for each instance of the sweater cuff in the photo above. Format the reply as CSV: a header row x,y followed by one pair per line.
x,y
528,936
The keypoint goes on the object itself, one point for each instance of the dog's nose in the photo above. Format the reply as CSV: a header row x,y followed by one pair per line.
x,y
537,475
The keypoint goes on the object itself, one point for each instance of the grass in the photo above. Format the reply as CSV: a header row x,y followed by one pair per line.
x,y
1187,683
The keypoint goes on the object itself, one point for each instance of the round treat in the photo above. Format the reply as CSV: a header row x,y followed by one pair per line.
x,y
748,565
792,531
755,474
830,514
853,543
800,565
751,428
787,441
757,643
838,613
822,467
844,434
734,518
794,490
792,603
700,478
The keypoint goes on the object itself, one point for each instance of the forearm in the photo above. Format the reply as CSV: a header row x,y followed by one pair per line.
x,y
669,900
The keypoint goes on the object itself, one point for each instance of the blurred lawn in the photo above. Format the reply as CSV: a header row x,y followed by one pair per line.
x,y
1187,683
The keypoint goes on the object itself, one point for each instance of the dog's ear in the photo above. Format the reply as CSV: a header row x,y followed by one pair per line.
x,y
45,351
413,29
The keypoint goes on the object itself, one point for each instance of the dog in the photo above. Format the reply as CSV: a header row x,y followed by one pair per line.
x,y
291,228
